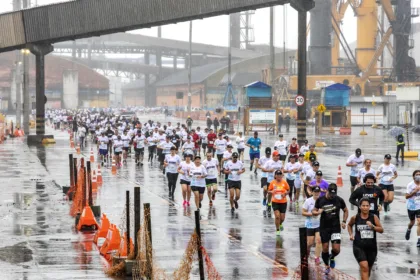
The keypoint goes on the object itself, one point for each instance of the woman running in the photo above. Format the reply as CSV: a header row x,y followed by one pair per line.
x,y
171,164
198,175
279,190
312,224
184,169
386,175
118,147
365,248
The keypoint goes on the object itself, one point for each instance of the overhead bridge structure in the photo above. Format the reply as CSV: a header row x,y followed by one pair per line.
x,y
38,28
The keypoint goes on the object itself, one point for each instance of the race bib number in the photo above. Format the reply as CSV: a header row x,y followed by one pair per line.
x,y
366,234
335,236
256,149
211,142
387,178
234,173
212,171
278,196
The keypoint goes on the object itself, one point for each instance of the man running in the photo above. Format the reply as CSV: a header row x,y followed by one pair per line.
x,y
240,141
220,145
291,169
312,224
356,163
281,147
204,140
254,145
211,137
271,167
365,248
371,192
103,147
413,205
279,189
234,169
387,173
172,162
213,169
264,175
329,208
140,142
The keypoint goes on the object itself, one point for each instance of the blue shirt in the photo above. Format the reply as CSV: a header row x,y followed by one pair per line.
x,y
256,142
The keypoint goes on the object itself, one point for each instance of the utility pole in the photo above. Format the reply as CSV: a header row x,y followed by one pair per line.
x,y
26,98
18,75
189,70
272,54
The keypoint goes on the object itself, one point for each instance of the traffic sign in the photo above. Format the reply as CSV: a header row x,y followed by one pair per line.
x,y
299,100
363,110
321,108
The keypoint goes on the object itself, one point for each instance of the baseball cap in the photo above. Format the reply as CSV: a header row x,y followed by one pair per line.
x,y
316,189
319,173
301,155
388,156
358,151
332,189
235,155
267,150
280,135
278,172
315,163
275,153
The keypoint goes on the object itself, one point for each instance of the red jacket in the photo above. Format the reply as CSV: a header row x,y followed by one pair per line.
x,y
196,140
211,138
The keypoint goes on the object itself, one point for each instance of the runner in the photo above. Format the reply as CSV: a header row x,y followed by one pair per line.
x,y
165,147
312,224
240,141
365,170
204,140
172,162
198,183
254,144
279,189
293,148
151,142
371,192
264,182
281,147
227,156
103,147
211,138
234,169
212,166
271,167
319,182
126,140
118,147
387,173
311,154
291,169
413,205
188,147
140,141
175,139
220,146
365,248
298,180
308,175
304,147
356,163
184,169
329,208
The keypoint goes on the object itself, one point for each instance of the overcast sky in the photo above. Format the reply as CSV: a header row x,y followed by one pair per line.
x,y
204,30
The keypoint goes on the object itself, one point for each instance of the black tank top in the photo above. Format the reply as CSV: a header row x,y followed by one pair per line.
x,y
365,237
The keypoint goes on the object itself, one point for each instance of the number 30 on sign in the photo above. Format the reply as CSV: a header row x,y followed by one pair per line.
x,y
299,100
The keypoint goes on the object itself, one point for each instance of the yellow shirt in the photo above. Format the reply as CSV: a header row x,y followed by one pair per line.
x,y
307,155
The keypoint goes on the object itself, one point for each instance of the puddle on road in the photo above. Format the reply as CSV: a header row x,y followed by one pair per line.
x,y
17,253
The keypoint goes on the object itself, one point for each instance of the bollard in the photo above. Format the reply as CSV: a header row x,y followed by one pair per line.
x,y
74,179
136,218
127,205
71,170
89,184
200,253
149,256
84,189
304,264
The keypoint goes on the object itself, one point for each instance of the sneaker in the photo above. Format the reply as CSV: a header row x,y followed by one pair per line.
x,y
332,262
250,168
188,203
185,203
385,213
264,202
317,261
236,204
327,270
278,233
102,163
232,210
281,227
269,208
407,234
211,203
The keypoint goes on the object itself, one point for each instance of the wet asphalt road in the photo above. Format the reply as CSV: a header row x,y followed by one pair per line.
x,y
38,241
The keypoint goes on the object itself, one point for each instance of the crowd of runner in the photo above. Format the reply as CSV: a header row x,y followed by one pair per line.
x,y
204,159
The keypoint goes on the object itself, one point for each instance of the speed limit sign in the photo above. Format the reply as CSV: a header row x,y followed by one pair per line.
x,y
299,100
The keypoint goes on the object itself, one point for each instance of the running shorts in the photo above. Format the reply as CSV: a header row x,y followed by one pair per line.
x,y
389,188
103,152
413,214
353,181
234,184
184,182
282,207
311,231
264,182
253,156
210,182
201,190
330,234
139,151
126,149
283,157
117,153
240,151
365,254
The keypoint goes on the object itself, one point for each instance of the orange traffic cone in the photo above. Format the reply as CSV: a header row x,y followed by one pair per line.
x,y
99,179
94,181
122,251
92,156
114,167
112,242
87,219
103,231
78,149
339,177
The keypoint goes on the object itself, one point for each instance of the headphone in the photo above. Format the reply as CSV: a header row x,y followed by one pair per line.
x,y
369,176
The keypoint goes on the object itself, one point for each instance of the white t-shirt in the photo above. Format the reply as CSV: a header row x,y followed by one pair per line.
x,y
162,138
220,146
126,140
166,147
362,173
234,167
304,149
188,147
386,172
413,203
211,166
226,156
281,146
241,142
354,170
173,163
195,172
292,166
151,141
271,164
314,221
186,167
140,141
118,145
261,163
204,139
103,142
81,131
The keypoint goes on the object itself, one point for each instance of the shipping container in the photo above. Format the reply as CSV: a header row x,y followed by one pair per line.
x,y
337,95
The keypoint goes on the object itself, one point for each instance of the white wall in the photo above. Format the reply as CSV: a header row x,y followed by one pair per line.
x,y
70,89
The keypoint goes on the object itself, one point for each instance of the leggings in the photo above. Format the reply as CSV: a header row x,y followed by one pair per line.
x,y
172,178
152,150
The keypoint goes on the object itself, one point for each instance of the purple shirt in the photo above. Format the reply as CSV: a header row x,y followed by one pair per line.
x,y
323,186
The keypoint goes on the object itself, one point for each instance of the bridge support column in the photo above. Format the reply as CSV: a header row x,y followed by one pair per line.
x,y
40,51
175,63
147,93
